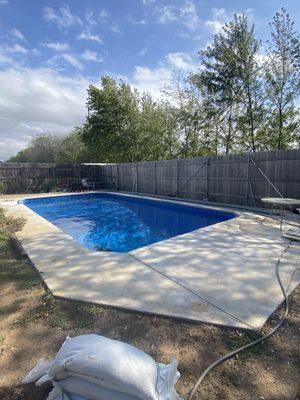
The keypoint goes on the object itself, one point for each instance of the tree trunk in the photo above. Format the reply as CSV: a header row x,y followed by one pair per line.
x,y
279,143
228,138
252,136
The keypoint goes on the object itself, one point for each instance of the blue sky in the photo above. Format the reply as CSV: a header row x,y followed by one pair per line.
x,y
51,50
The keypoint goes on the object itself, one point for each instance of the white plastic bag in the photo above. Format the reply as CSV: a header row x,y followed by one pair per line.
x,y
99,368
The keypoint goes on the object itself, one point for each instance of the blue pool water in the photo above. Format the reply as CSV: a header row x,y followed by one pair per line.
x,y
107,222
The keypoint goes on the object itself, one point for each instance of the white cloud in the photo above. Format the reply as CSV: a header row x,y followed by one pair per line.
x,y
90,23
57,62
104,15
107,22
219,18
143,51
16,48
90,36
185,14
147,2
116,29
18,34
189,15
180,60
57,46
167,14
62,18
90,19
89,55
4,58
38,100
151,80
32,127
214,26
13,55
72,60
219,12
134,21
3,2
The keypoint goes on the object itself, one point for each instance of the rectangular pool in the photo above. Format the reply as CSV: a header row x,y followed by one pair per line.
x,y
116,223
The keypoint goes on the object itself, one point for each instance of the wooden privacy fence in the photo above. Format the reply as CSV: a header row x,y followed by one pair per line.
x,y
241,179
27,177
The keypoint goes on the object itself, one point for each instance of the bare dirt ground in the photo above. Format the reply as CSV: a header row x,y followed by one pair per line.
x,y
33,325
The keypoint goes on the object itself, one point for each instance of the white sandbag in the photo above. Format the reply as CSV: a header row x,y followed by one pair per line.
x,y
57,394
108,364
91,391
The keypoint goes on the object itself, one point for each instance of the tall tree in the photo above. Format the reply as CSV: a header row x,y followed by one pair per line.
x,y
151,129
110,127
218,83
229,80
72,150
171,138
246,51
124,125
282,79
186,111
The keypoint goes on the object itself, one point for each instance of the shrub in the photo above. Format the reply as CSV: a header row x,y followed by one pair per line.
x,y
12,187
9,225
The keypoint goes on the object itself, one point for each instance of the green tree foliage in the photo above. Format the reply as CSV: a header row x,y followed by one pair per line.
x,y
155,129
124,125
231,88
111,124
54,149
282,80
220,88
185,109
246,50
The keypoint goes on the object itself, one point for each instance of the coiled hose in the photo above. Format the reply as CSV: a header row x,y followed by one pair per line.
x,y
255,342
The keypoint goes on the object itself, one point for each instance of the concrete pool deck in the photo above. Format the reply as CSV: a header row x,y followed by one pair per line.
x,y
221,274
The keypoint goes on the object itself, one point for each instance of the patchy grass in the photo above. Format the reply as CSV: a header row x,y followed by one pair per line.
x,y
239,339
61,314
229,378
11,308
55,313
9,225
19,273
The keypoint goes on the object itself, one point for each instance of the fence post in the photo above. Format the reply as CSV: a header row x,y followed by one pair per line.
x,y
118,179
53,174
177,179
155,178
78,174
136,177
25,179
247,182
207,177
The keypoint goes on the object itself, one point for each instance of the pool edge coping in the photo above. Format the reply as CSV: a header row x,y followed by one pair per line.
x,y
186,203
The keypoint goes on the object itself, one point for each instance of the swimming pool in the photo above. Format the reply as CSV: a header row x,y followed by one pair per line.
x,y
120,223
